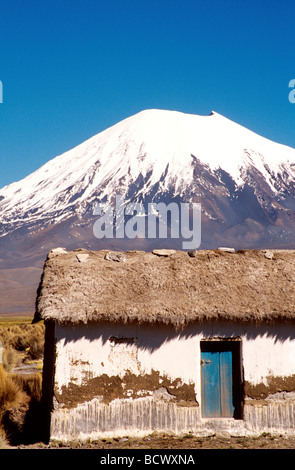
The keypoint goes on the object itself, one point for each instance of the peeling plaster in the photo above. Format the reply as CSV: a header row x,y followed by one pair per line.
x,y
272,385
109,388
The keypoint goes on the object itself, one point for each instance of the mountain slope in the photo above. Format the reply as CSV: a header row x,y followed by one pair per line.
x,y
244,182
157,152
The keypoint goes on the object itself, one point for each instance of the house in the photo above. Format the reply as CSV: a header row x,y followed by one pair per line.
x,y
168,341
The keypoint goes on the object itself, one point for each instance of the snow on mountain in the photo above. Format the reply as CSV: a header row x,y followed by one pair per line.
x,y
150,153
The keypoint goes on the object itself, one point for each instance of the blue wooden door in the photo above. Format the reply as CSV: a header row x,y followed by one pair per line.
x,y
217,383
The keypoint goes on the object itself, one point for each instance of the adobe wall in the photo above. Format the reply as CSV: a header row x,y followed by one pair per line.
x,y
114,380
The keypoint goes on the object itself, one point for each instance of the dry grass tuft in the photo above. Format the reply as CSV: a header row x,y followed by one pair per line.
x,y
21,342
20,399
31,384
11,394
11,358
3,441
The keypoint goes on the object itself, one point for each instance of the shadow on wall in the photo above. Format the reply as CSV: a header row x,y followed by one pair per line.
x,y
152,336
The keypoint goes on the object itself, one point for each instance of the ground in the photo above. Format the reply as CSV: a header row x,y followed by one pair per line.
x,y
163,441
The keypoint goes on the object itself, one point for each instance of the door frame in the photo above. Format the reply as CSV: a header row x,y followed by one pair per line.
x,y
234,344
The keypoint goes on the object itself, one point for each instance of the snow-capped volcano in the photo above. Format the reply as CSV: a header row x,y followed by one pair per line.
x,y
149,155
244,183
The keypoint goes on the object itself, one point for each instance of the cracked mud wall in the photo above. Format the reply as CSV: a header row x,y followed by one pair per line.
x,y
152,354
269,378
273,385
112,379
122,417
129,386
125,379
270,405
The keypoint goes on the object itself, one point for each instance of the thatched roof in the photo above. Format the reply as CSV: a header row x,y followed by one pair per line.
x,y
84,286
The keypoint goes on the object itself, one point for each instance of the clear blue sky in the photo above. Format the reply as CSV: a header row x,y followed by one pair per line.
x,y
71,68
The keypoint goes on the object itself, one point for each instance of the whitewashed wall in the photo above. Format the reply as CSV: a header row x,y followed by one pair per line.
x,y
84,352
89,352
